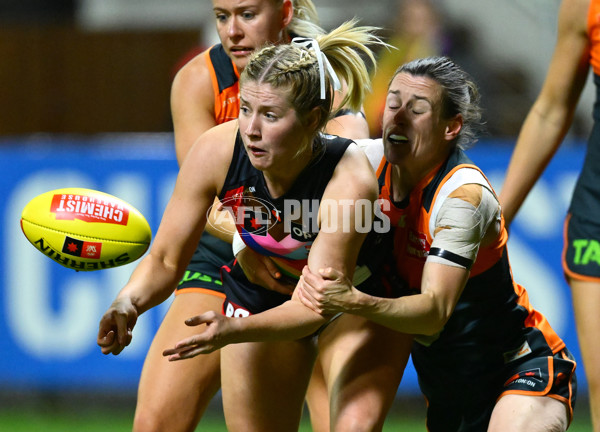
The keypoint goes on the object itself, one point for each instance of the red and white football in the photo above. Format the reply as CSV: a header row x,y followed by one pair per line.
x,y
84,229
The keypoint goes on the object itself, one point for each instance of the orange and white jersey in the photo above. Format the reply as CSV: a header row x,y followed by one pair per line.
x,y
492,306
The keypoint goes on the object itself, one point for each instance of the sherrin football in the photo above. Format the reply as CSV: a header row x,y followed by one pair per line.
x,y
84,229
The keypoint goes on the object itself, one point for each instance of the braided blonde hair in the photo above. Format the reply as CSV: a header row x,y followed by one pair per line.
x,y
296,69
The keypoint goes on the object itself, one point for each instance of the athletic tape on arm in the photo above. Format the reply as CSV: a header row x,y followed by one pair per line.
x,y
463,226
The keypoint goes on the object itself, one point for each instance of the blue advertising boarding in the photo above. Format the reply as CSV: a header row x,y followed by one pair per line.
x,y
49,314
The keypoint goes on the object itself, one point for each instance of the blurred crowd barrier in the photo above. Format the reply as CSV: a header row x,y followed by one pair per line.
x,y
49,314
60,78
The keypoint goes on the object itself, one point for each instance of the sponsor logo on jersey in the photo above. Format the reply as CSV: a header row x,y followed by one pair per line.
x,y
586,252
522,351
229,101
530,378
417,245
299,233
88,209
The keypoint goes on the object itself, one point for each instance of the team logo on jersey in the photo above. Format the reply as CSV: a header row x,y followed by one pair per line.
x,y
256,215
255,219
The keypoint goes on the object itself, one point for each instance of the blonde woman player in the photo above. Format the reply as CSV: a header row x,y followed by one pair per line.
x,y
205,92
275,153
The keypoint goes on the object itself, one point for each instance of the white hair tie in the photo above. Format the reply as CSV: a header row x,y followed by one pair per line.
x,y
309,43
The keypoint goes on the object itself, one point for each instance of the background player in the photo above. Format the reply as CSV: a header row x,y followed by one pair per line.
x,y
544,129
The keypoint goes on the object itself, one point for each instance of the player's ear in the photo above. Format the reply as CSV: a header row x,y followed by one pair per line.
x,y
287,13
313,118
453,127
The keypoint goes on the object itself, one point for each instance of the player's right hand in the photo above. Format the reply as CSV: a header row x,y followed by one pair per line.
x,y
116,326
219,331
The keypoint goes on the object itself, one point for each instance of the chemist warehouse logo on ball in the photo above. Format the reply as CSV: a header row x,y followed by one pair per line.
x,y
88,209
300,218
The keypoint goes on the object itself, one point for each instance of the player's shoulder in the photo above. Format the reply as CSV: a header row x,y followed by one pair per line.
x,y
221,133
195,74
218,141
372,148
369,143
354,171
213,150
573,15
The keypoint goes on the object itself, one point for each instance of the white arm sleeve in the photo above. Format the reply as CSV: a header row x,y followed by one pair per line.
x,y
461,229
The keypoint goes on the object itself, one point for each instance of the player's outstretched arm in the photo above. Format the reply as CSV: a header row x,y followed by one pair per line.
x,y
550,116
157,274
460,229
353,184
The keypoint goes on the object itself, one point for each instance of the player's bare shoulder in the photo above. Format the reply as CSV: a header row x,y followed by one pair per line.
x,y
373,149
210,156
355,173
216,144
193,81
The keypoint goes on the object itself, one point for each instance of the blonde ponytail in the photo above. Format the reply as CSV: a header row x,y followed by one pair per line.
x,y
345,48
305,21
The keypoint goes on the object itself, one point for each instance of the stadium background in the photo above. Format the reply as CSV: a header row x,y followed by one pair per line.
x,y
84,96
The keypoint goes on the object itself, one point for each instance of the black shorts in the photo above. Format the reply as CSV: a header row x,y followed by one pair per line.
x,y
243,298
551,376
581,249
203,272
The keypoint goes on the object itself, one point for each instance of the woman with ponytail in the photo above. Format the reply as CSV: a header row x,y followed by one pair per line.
x,y
300,197
205,92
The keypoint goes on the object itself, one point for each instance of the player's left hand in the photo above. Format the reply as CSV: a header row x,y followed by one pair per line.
x,y
327,292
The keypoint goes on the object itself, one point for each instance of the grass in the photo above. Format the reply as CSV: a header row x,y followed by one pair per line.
x,y
109,422
81,414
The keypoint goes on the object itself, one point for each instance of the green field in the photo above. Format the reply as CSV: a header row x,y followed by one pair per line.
x,y
82,414
109,422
